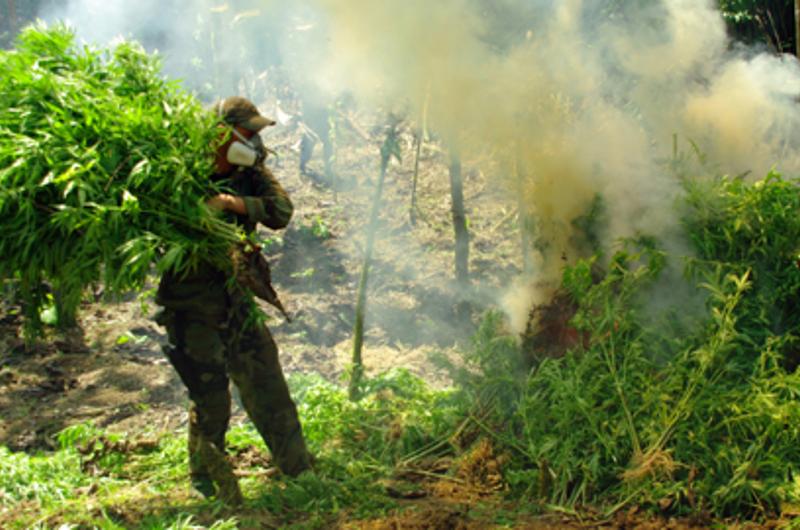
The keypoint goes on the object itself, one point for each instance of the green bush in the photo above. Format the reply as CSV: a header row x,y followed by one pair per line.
x,y
676,418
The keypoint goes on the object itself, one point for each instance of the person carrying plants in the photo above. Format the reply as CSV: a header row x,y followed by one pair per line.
x,y
214,334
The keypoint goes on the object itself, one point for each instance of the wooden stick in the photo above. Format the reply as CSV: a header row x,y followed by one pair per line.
x,y
412,213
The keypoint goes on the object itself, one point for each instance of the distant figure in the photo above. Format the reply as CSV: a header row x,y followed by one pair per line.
x,y
317,128
212,333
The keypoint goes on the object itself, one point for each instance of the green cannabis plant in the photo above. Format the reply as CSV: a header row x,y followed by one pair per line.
x,y
741,226
679,415
105,167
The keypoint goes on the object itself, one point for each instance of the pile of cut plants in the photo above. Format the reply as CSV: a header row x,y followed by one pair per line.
x,y
104,169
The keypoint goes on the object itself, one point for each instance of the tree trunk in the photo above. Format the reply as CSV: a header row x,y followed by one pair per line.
x,y
524,219
797,27
459,221
361,301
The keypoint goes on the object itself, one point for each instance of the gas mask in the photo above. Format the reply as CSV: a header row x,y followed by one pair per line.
x,y
244,152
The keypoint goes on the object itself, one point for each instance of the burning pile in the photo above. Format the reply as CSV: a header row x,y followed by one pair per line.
x,y
689,409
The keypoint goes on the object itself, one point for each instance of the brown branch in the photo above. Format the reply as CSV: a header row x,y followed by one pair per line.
x,y
775,31
766,26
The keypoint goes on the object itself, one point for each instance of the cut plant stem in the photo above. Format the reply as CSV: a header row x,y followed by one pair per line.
x,y
389,149
421,134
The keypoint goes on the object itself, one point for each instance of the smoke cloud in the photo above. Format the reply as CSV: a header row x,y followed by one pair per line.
x,y
584,100
559,101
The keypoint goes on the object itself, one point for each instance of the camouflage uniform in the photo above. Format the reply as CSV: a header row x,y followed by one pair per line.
x,y
212,338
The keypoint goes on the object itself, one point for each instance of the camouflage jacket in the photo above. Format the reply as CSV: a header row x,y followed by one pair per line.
x,y
265,199
266,202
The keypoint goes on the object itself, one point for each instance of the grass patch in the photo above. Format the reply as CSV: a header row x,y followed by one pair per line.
x,y
98,479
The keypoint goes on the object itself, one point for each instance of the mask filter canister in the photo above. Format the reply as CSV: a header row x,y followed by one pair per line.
x,y
244,152
242,155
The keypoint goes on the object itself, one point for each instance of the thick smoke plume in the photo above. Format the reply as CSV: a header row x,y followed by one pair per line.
x,y
564,101
559,101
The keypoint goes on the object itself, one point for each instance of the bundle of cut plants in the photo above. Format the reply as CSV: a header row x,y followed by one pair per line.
x,y
105,167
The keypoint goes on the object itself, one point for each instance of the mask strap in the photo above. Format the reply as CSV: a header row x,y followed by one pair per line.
x,y
239,135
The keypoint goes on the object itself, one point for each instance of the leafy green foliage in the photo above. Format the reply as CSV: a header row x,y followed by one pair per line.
x,y
315,230
104,167
42,479
415,416
738,227
740,11
684,419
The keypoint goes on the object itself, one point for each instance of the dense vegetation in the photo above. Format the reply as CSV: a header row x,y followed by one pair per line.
x,y
678,415
696,414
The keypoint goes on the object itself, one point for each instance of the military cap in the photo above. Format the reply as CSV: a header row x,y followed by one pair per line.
x,y
237,110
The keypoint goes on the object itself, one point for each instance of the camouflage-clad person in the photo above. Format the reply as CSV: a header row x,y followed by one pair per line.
x,y
212,335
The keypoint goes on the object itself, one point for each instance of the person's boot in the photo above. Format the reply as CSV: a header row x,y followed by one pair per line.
x,y
221,473
290,453
198,474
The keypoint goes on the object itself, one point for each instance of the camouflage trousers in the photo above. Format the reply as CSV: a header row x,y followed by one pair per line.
x,y
208,350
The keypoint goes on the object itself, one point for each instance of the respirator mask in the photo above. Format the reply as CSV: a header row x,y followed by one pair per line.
x,y
244,152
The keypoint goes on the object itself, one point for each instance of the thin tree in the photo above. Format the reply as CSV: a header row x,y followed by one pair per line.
x,y
389,149
412,212
459,220
419,137
523,216
797,27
